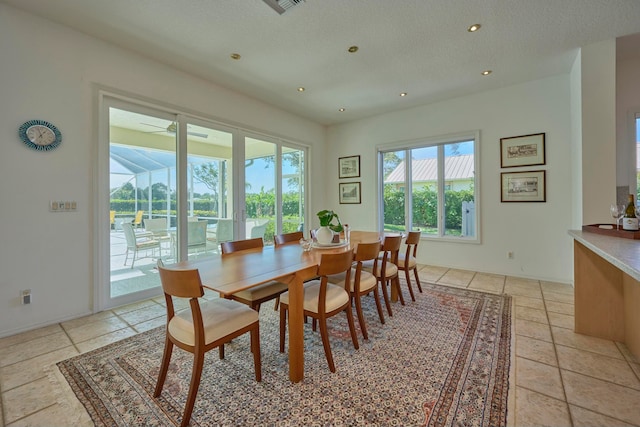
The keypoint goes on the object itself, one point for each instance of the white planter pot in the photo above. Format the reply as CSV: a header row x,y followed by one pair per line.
x,y
324,235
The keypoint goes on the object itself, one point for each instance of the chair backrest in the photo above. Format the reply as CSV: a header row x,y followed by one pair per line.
x,y
192,219
182,284
224,230
129,235
138,218
196,233
365,252
412,240
241,245
335,263
258,230
288,238
156,225
391,247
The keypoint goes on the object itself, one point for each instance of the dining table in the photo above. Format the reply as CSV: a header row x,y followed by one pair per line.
x,y
289,264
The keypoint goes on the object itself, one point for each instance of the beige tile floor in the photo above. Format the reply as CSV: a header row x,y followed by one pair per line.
x,y
558,378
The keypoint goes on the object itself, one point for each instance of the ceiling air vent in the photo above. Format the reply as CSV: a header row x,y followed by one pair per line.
x,y
281,6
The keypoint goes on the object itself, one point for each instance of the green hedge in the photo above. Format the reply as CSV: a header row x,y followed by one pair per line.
x,y
425,207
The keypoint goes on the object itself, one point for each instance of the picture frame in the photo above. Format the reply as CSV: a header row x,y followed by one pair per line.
x,y
349,193
349,167
524,150
525,186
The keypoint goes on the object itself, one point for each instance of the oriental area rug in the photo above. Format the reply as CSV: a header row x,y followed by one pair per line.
x,y
442,360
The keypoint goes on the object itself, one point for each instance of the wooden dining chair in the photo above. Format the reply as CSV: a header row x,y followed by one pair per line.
x,y
362,282
256,295
407,260
201,327
288,238
323,300
385,269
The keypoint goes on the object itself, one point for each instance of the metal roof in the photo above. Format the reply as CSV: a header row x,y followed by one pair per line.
x,y
128,160
455,168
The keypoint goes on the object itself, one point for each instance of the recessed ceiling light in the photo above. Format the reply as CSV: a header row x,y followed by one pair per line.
x,y
486,72
342,110
403,94
300,89
353,49
473,28
235,56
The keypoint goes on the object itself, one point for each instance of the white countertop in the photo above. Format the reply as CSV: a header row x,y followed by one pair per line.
x,y
622,253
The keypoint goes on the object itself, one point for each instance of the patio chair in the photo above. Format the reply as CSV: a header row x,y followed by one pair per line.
x,y
137,242
223,231
137,221
197,235
158,228
259,230
112,218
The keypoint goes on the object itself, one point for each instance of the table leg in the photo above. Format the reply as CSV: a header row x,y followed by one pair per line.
x,y
296,329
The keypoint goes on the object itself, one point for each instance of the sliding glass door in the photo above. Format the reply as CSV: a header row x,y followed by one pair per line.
x,y
162,204
175,187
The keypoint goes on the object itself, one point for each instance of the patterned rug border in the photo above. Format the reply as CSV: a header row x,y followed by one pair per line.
x,y
436,413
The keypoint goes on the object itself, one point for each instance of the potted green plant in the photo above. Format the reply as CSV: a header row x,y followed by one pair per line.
x,y
324,234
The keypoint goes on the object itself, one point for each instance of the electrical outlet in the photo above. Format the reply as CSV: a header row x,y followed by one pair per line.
x,y
26,296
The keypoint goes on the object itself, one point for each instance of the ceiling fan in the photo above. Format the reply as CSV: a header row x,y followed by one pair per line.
x,y
172,128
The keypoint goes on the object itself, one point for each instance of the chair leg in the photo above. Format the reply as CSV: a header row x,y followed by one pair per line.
x,y
325,343
164,367
198,363
255,348
221,351
133,259
283,325
406,274
415,273
126,256
376,296
396,282
385,294
352,327
275,307
363,326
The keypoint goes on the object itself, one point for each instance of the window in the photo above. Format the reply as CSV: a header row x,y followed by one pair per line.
x,y
431,186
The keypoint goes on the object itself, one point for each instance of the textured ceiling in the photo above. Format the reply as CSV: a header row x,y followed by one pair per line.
x,y
421,47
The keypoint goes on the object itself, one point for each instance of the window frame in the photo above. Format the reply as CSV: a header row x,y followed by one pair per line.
x,y
425,142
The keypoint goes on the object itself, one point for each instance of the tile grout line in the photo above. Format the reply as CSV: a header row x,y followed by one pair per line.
x,y
555,352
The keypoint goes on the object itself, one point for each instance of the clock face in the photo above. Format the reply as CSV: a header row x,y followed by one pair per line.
x,y
40,135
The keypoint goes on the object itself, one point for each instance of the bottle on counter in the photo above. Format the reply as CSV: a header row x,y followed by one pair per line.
x,y
630,220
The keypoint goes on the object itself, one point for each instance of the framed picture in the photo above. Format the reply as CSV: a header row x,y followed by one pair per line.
x,y
528,186
349,192
349,167
526,150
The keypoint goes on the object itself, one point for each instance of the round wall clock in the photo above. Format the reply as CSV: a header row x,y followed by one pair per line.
x,y
40,135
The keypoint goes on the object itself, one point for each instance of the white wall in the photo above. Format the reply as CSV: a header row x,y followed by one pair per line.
x,y
50,72
598,131
627,105
535,232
